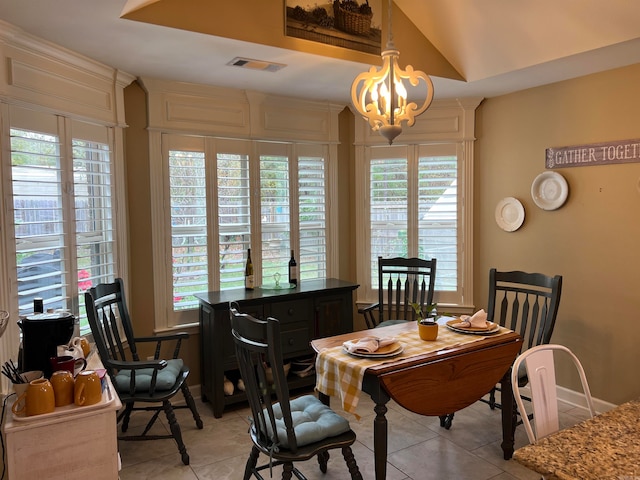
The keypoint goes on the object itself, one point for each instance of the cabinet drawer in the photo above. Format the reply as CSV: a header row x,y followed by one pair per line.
x,y
295,311
295,338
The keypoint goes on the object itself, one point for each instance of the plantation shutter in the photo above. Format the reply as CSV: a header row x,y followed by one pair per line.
x,y
234,211
438,212
414,208
38,213
388,206
94,208
188,197
312,215
63,214
275,212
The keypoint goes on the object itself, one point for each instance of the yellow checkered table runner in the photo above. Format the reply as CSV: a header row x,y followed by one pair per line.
x,y
339,374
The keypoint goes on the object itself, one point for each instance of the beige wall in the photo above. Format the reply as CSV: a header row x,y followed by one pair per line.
x,y
592,241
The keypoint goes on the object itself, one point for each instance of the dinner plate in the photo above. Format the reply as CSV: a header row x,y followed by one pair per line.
x,y
492,328
549,190
388,351
509,214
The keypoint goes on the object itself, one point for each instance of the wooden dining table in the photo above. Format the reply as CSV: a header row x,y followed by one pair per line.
x,y
605,447
433,378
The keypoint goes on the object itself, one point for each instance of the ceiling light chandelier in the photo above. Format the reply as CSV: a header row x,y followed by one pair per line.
x,y
380,96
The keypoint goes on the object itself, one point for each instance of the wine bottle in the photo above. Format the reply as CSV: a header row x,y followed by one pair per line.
x,y
248,272
293,270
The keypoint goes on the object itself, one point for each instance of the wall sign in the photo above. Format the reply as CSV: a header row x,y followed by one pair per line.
x,y
623,151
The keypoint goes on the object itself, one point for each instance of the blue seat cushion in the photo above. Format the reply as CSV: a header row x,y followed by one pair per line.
x,y
166,377
312,421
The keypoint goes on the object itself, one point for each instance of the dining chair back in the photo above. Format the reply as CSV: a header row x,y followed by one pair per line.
x,y
285,430
539,363
152,383
526,303
401,282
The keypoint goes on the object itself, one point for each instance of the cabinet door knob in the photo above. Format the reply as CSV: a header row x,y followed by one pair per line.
x,y
291,341
290,311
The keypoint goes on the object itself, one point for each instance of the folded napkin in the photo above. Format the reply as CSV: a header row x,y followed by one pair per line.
x,y
367,344
477,320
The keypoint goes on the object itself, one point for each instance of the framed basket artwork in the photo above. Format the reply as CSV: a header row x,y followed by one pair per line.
x,y
353,24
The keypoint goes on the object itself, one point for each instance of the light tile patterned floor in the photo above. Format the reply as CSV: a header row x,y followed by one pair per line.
x,y
419,449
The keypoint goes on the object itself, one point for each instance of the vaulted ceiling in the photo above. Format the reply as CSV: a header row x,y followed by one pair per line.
x,y
470,47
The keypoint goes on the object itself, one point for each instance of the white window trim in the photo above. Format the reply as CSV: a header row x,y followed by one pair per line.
x,y
264,118
445,122
48,84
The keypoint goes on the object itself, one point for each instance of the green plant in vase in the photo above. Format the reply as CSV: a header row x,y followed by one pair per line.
x,y
425,317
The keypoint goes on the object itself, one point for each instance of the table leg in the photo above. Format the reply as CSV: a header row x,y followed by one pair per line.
x,y
373,387
508,415
380,441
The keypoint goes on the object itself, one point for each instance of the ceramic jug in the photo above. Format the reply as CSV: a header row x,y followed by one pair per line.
x,y
81,343
71,351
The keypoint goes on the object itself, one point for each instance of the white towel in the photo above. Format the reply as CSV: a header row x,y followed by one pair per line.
x,y
367,344
477,320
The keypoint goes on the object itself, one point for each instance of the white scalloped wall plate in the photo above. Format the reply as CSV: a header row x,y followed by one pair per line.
x,y
509,214
549,190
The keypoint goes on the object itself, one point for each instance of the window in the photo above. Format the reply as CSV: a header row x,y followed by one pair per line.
x,y
188,226
312,216
289,182
63,215
414,210
275,217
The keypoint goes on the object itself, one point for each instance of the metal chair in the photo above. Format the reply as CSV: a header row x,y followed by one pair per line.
x,y
285,430
540,369
138,381
401,282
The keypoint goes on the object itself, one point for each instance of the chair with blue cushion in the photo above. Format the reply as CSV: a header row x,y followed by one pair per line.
x,y
139,382
401,282
284,430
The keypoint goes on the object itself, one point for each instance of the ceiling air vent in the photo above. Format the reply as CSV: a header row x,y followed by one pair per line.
x,y
256,64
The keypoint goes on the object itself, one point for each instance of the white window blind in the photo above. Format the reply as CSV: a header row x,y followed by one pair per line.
x,y
275,218
414,208
38,220
438,216
265,195
63,214
95,238
188,195
234,217
312,217
388,208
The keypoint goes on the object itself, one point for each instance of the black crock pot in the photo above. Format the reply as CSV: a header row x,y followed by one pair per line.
x,y
41,335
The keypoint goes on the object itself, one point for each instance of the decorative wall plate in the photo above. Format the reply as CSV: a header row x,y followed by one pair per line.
x,y
549,190
509,214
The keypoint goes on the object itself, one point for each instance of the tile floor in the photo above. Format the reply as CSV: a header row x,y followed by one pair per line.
x,y
419,449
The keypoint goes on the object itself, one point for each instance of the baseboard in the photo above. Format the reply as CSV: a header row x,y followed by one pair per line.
x,y
576,399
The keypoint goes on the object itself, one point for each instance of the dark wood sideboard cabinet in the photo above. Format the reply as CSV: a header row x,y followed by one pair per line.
x,y
314,309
